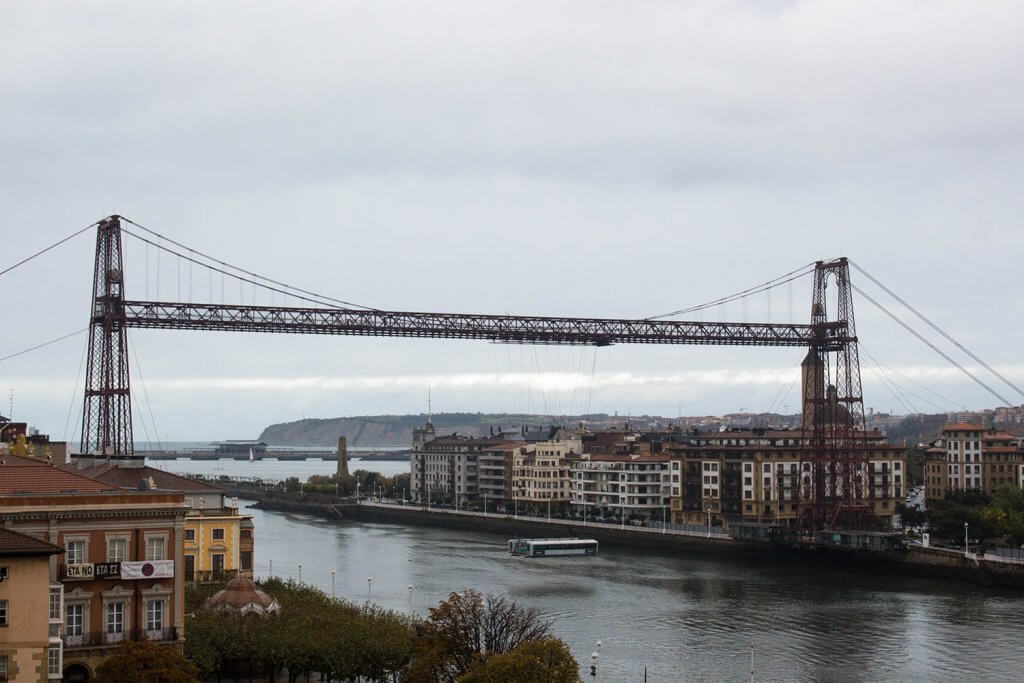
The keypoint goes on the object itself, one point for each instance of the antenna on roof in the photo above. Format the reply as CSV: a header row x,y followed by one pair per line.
x,y
430,411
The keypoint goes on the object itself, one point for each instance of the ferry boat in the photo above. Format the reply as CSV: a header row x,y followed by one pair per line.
x,y
551,547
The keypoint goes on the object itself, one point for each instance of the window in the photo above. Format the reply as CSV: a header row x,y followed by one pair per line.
x,y
3,613
115,617
74,620
75,552
190,534
56,593
3,667
245,559
155,548
117,549
190,567
218,534
53,661
154,615
245,533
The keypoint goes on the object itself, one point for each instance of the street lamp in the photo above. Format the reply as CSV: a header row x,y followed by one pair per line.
x,y
357,493
965,539
549,509
410,600
593,665
369,587
332,582
663,524
300,573
516,503
485,505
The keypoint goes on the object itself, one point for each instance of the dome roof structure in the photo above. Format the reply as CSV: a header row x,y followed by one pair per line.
x,y
241,595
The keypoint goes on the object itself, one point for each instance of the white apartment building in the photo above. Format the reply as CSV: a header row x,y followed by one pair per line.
x,y
621,483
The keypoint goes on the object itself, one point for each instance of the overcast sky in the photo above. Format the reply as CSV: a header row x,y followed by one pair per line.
x,y
591,158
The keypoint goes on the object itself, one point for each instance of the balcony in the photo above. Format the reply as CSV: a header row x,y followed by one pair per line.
x,y
103,639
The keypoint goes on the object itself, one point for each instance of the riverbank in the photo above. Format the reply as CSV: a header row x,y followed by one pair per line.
x,y
913,562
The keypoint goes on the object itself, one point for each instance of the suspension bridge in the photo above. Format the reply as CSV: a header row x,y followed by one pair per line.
x,y
833,404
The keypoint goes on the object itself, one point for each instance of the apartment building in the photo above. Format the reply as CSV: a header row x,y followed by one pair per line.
x,y
494,469
540,474
218,539
445,469
634,485
31,609
756,475
122,570
966,457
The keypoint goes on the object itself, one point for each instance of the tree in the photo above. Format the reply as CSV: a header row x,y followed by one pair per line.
x,y
468,624
146,662
536,661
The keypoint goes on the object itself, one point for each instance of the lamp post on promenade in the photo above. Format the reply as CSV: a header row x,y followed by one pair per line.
x,y
410,600
485,505
965,540
369,587
332,582
663,521
300,573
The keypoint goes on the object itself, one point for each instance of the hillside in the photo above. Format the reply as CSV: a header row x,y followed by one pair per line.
x,y
396,430
390,430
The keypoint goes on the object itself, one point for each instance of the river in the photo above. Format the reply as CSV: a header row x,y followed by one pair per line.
x,y
683,618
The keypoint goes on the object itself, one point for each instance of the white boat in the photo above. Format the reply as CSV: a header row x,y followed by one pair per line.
x,y
251,459
551,547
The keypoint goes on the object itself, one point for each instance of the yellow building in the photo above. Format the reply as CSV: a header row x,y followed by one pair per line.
x,y
218,543
31,609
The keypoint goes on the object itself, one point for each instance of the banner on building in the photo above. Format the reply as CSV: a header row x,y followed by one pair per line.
x,y
152,569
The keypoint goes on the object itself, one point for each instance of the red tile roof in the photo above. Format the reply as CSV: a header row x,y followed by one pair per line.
x,y
128,478
963,427
15,543
32,478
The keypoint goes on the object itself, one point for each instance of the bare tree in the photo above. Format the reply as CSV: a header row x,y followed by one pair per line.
x,y
468,626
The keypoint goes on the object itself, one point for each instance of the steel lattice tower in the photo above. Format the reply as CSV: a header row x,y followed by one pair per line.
x,y
107,414
834,458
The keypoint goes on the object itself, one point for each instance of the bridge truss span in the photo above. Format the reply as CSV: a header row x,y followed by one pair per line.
x,y
833,404
498,328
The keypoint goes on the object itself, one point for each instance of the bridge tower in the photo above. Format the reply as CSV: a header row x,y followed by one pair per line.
x,y
107,413
834,478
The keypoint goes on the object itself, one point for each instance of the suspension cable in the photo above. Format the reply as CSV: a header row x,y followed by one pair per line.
x,y
43,251
927,343
247,272
46,343
240,278
774,282
913,381
939,330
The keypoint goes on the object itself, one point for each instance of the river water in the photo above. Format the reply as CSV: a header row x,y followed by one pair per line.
x,y
683,618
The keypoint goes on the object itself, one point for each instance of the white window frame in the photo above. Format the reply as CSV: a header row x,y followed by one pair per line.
x,y
71,624
76,538
110,615
161,538
56,591
5,611
110,538
54,665
161,604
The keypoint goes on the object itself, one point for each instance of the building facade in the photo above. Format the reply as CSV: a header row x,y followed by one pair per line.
x,y
31,608
760,476
968,457
218,540
630,485
122,570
